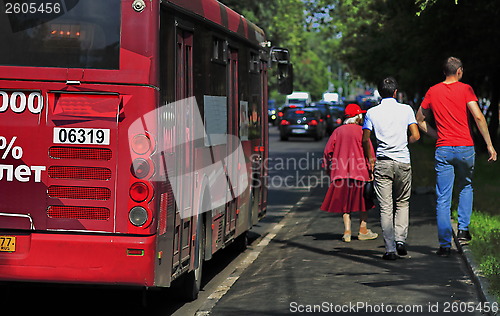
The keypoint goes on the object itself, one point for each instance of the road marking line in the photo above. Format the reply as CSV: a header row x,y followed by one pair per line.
x,y
225,286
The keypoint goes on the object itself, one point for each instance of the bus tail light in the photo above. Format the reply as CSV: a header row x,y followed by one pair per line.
x,y
138,216
141,144
139,192
140,168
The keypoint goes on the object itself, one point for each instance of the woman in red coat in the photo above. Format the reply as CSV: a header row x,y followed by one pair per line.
x,y
349,172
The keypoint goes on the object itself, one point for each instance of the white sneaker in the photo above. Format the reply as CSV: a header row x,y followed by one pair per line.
x,y
346,238
368,236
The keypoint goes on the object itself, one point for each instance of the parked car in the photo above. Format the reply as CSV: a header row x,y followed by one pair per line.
x,y
326,115
302,122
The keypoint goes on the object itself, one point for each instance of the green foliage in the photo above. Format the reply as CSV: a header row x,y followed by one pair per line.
x,y
284,22
422,163
485,230
424,4
382,37
311,74
486,186
284,27
371,39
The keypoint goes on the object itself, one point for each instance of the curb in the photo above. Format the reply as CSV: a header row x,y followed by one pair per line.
x,y
482,284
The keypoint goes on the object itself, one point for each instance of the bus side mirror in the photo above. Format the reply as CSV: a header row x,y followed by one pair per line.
x,y
285,78
281,56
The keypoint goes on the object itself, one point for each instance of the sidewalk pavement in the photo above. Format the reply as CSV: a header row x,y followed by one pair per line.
x,y
307,268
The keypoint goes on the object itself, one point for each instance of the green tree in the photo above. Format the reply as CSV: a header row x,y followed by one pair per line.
x,y
312,74
383,37
285,24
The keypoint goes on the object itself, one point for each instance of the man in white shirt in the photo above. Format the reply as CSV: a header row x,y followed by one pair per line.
x,y
390,121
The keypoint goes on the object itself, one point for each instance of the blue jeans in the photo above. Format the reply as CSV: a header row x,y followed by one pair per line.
x,y
453,163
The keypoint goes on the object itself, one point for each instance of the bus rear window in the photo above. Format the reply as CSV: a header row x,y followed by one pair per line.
x,y
60,33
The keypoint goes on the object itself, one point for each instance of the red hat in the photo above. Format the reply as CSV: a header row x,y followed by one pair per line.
x,y
352,110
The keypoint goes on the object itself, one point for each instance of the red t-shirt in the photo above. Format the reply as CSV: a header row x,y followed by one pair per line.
x,y
448,103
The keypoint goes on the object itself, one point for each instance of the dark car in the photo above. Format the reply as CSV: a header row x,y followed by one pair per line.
x,y
337,113
302,122
367,101
283,109
326,115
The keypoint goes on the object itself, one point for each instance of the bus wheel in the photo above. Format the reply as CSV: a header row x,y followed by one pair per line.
x,y
192,281
241,242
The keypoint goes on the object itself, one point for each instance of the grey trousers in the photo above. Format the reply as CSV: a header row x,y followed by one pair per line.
x,y
393,189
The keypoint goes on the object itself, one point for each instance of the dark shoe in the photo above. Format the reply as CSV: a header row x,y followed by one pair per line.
x,y
389,256
401,248
443,252
464,235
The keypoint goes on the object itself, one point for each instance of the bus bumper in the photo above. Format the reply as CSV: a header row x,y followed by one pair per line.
x,y
80,259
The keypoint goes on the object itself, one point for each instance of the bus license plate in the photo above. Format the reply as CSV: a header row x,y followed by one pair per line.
x,y
7,243
84,136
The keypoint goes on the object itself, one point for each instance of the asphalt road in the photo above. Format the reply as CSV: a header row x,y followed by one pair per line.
x,y
306,268
294,170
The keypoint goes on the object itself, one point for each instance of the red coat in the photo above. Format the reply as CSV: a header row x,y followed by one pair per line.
x,y
344,152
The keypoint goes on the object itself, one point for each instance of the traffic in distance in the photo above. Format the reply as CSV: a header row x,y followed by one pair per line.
x,y
300,117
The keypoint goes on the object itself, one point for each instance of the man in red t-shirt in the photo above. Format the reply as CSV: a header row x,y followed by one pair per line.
x,y
450,102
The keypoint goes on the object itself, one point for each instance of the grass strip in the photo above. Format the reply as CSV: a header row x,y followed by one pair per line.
x,y
485,245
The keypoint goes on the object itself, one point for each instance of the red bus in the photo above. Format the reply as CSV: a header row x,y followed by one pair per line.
x,y
99,102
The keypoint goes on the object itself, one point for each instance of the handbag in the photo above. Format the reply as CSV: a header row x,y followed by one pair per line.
x,y
369,191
